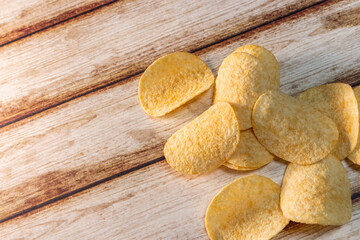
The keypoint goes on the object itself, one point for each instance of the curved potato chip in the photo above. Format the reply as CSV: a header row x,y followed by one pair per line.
x,y
206,142
355,155
242,78
267,58
338,102
248,208
292,130
171,81
232,166
249,154
317,194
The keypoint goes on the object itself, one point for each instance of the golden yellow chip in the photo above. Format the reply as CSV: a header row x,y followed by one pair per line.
x,y
291,129
249,154
232,166
248,208
317,194
171,81
242,78
267,58
355,154
338,102
206,142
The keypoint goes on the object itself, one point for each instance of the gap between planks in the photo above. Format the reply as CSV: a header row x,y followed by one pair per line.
x,y
91,185
51,22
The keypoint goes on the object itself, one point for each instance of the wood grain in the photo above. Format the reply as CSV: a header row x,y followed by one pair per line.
x,y
19,18
106,132
113,42
157,202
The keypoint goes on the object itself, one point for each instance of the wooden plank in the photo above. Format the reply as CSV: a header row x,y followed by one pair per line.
x,y
106,132
19,18
157,202
114,42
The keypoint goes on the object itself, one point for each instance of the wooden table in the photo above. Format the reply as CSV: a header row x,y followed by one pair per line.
x,y
79,157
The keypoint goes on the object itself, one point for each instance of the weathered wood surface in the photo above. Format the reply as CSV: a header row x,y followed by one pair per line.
x,y
156,202
106,132
116,41
19,18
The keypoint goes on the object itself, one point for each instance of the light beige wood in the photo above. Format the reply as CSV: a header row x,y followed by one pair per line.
x,y
106,132
21,17
156,202
114,42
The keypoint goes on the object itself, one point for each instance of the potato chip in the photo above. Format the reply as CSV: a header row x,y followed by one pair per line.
x,y
355,154
292,130
248,208
317,194
171,81
338,102
242,78
206,142
249,154
232,166
267,58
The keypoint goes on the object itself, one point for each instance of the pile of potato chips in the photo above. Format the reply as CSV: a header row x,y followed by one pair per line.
x,y
249,123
